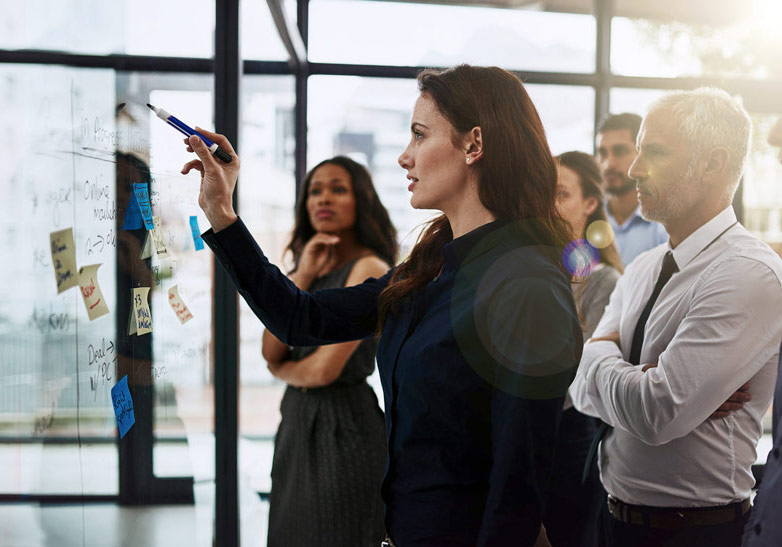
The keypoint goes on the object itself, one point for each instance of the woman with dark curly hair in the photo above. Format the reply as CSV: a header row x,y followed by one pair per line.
x,y
330,449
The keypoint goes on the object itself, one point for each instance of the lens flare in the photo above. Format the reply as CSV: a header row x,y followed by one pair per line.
x,y
600,234
580,257
502,282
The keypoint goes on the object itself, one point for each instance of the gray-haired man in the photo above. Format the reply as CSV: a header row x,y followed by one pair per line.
x,y
700,313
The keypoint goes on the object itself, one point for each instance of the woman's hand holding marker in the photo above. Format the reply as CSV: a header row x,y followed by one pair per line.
x,y
218,179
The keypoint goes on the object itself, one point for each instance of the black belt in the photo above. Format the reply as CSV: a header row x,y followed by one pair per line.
x,y
673,518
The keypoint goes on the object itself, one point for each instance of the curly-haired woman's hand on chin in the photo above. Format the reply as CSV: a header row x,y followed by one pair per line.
x,y
317,259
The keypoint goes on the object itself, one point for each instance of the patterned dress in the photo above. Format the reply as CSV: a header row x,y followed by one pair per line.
x,y
329,455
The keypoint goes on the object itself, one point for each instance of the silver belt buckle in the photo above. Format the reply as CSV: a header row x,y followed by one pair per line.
x,y
387,543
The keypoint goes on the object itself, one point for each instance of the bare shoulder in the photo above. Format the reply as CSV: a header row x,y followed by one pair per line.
x,y
365,267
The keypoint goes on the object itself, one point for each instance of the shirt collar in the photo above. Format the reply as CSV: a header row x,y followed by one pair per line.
x,y
457,250
701,238
635,216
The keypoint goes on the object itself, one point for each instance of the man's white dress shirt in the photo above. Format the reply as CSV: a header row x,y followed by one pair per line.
x,y
714,327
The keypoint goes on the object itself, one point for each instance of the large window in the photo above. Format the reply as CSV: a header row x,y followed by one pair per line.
x,y
175,28
259,37
734,41
398,33
81,137
183,370
267,194
52,384
633,100
763,185
79,142
567,113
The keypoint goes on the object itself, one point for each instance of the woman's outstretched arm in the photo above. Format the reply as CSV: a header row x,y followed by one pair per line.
x,y
296,317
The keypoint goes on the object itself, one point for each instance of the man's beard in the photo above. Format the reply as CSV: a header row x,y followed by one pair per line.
x,y
628,186
676,201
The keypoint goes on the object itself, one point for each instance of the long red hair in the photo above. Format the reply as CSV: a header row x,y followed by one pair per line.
x,y
517,175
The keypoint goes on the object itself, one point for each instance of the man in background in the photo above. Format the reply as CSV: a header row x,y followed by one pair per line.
x,y
689,325
765,527
615,153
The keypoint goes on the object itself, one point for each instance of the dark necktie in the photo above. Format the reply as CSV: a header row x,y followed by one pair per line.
x,y
668,269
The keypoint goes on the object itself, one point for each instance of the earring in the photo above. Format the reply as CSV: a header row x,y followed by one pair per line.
x,y
469,159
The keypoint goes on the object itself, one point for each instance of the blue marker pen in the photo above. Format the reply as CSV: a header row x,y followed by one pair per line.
x,y
187,130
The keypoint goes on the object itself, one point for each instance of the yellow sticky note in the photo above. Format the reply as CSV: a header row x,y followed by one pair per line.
x,y
90,291
64,259
176,303
140,317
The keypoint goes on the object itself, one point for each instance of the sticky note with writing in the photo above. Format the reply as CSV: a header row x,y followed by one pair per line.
x,y
199,243
176,303
141,191
155,239
64,259
90,291
123,406
158,238
133,220
140,321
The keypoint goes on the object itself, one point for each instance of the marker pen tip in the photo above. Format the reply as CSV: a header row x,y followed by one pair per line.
x,y
150,106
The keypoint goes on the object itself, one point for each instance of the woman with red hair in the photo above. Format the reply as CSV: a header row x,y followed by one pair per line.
x,y
479,336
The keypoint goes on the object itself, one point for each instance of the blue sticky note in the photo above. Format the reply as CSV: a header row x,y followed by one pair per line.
x,y
141,191
199,243
133,215
123,406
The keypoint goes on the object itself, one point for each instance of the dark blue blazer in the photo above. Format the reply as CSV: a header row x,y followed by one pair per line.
x,y
764,528
474,369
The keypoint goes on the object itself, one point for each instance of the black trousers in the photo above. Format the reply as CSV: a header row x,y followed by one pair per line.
x,y
572,515
619,534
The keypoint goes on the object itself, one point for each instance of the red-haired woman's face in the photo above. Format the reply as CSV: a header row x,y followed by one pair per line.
x,y
331,203
437,169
